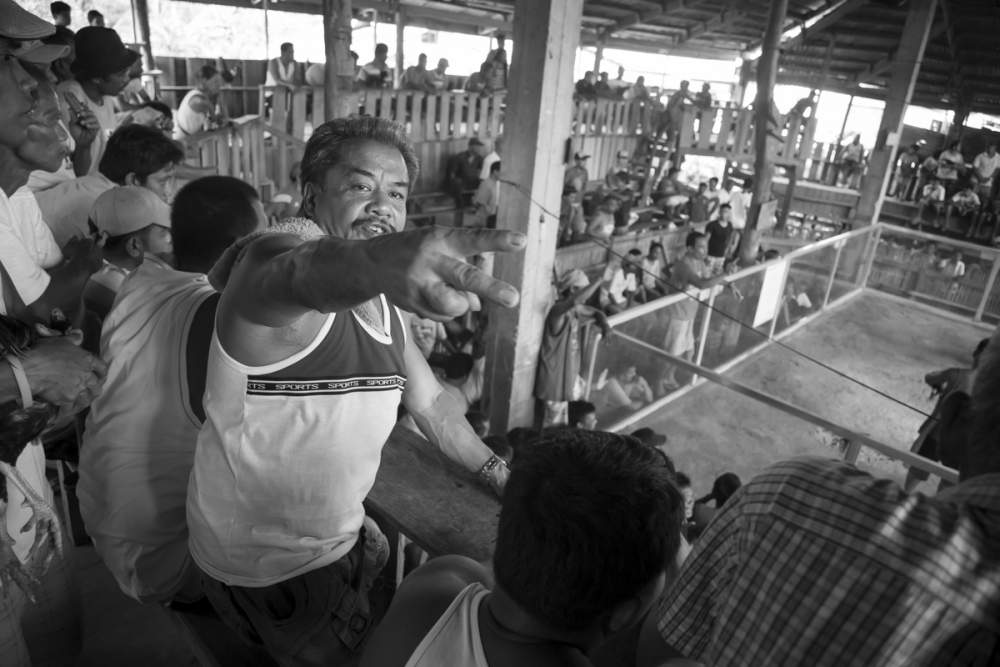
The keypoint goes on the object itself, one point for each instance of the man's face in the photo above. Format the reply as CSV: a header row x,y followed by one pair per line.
x,y
18,99
588,422
157,240
713,184
112,84
726,215
700,249
629,374
45,140
364,194
288,55
214,85
161,183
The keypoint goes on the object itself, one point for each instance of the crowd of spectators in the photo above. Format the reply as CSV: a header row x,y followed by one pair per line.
x,y
242,378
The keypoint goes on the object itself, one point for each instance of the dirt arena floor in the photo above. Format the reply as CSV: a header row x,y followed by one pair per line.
x,y
881,342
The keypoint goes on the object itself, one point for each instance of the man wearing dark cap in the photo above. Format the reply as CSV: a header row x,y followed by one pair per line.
x,y
577,174
101,71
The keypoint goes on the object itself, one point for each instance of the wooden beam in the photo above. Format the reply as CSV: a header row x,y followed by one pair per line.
x,y
539,100
823,24
724,18
906,69
637,17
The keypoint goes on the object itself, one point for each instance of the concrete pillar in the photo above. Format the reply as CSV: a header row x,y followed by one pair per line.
x,y
540,93
338,81
905,68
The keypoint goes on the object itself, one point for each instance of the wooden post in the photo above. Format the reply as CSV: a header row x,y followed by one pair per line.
x,y
141,8
338,81
905,69
740,89
766,128
540,95
397,77
599,55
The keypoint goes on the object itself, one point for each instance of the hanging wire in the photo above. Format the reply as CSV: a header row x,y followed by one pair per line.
x,y
607,246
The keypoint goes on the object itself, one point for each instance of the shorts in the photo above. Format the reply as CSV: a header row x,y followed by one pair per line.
x,y
324,611
680,337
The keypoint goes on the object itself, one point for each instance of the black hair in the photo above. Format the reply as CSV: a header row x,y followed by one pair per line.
x,y
287,46
725,485
692,238
158,106
495,167
577,410
206,72
634,252
381,48
655,244
325,147
458,365
725,206
58,7
208,215
139,150
588,520
93,14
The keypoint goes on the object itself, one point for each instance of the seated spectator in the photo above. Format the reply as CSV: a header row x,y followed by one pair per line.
x,y
135,155
602,224
966,201
134,224
725,485
558,378
415,76
138,449
949,163
672,194
476,83
376,73
487,199
582,415
907,579
618,285
931,202
653,267
202,107
100,68
623,390
586,88
437,78
462,173
587,539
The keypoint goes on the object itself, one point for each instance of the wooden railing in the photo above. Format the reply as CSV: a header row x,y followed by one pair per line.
x,y
729,132
236,149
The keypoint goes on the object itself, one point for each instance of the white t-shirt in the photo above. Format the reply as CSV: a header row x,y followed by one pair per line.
x,y
26,245
620,283
316,74
105,113
139,442
986,166
488,161
285,72
66,207
187,121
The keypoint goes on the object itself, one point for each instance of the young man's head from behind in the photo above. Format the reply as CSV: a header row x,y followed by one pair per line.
x,y
135,222
143,156
590,523
582,415
209,215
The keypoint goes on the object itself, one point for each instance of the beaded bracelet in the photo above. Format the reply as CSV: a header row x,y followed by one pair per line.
x,y
491,475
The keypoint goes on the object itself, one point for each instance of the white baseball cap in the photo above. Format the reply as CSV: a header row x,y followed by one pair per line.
x,y
127,209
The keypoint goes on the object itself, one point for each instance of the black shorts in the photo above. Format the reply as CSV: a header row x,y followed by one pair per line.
x,y
328,606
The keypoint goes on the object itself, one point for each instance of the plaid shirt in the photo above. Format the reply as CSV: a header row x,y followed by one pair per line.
x,y
816,563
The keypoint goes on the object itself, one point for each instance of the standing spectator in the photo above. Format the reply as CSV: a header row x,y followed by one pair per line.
x,y
986,166
376,73
577,174
703,98
101,70
586,88
638,90
491,157
95,18
717,197
572,225
906,171
582,415
559,359
415,77
619,85
675,110
281,71
721,237
136,155
462,174
653,266
618,284
851,160
437,78
689,274
61,14
950,161
202,108
700,205
487,199
603,86
496,67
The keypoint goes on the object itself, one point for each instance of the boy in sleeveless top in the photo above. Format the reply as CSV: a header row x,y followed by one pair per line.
x,y
307,366
589,528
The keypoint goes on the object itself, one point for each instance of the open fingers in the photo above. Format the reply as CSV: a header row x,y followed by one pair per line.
x,y
466,242
467,278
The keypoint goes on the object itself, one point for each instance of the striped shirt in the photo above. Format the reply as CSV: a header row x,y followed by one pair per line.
x,y
816,563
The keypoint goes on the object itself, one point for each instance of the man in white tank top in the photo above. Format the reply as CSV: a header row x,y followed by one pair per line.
x,y
589,533
306,370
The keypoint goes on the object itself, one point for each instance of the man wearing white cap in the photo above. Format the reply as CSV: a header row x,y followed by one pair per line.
x,y
54,370
135,225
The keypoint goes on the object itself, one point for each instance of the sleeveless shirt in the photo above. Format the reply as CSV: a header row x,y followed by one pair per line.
x,y
454,639
289,451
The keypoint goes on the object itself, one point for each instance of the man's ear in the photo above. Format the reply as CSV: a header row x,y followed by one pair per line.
x,y
308,207
135,247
